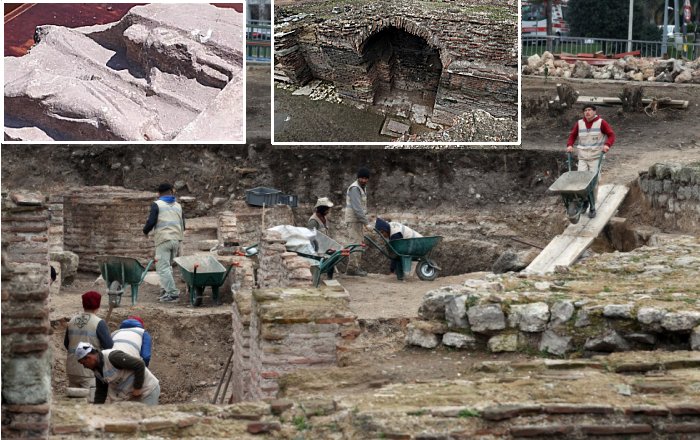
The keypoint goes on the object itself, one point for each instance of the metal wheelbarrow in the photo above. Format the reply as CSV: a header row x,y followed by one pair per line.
x,y
407,250
328,254
200,271
120,271
576,188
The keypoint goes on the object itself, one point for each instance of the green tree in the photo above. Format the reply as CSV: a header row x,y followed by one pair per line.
x,y
609,19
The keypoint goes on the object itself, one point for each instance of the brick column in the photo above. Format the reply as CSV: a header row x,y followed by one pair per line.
x,y
26,359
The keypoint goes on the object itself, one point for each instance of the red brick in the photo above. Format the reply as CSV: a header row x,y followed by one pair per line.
x,y
680,409
540,430
647,410
67,429
35,296
25,228
121,426
26,313
156,424
258,427
30,347
30,426
25,330
13,239
34,409
396,436
502,412
639,428
334,320
40,239
566,408
682,427
269,374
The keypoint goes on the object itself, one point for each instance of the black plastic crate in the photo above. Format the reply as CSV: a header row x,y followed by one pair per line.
x,y
269,196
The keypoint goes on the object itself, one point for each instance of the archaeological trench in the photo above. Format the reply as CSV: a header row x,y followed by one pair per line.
x,y
420,63
606,348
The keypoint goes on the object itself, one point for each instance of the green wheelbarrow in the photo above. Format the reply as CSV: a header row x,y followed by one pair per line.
x,y
120,271
407,250
576,188
329,259
200,271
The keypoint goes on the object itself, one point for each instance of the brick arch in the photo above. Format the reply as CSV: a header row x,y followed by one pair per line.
x,y
409,26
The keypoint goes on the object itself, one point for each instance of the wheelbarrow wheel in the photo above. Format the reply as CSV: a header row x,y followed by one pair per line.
x,y
426,272
114,293
198,296
573,212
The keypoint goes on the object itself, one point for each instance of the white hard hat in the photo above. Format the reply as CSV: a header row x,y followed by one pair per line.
x,y
83,349
324,201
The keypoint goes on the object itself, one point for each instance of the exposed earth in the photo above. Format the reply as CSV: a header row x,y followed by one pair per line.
x,y
436,189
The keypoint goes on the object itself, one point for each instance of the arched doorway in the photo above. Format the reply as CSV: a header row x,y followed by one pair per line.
x,y
404,71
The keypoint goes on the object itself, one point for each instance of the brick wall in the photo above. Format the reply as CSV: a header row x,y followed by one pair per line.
x,y
477,49
106,220
292,328
26,359
279,268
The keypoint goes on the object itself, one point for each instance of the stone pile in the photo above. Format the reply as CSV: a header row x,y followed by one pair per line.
x,y
473,126
627,69
26,358
643,301
106,220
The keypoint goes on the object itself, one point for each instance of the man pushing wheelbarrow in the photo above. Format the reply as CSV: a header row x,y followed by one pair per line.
x,y
595,138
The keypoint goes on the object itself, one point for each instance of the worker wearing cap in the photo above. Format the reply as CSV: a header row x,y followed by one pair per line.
x,y
85,326
319,219
394,231
133,339
594,136
356,217
168,221
119,375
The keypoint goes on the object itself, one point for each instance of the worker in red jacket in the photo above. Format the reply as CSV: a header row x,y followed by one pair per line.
x,y
595,136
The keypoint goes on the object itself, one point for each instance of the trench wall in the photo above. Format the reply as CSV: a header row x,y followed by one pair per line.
x,y
26,358
107,220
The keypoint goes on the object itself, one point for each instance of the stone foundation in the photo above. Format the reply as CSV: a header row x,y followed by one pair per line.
x,y
26,359
107,220
639,304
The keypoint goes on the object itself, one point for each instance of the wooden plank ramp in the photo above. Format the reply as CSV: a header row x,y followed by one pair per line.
x,y
564,249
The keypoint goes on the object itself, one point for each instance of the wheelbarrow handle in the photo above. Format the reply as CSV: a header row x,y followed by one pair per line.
x,y
569,159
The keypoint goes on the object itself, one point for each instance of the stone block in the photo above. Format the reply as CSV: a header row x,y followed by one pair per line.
x,y
680,321
458,340
609,342
421,336
695,339
609,429
503,343
486,318
554,344
529,317
650,315
509,411
456,312
561,312
622,311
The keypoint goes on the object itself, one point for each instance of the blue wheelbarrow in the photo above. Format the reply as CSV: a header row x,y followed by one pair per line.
x,y
408,250
120,271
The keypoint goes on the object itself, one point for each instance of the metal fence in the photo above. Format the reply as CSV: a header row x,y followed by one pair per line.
x,y
258,35
609,46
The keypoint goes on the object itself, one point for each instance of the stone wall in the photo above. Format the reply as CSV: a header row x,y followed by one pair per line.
x,y
477,48
107,220
639,301
671,194
26,359
251,221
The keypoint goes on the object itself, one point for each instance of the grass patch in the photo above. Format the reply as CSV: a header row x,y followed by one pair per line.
x,y
301,423
466,413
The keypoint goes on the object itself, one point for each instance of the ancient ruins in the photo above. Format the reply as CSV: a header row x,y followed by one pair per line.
x,y
425,62
163,72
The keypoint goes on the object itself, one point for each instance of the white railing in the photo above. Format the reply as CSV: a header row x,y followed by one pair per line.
x,y
608,46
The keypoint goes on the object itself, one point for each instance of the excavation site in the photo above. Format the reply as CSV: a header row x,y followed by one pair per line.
x,y
512,322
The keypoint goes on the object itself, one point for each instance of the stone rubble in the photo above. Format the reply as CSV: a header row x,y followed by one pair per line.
x,y
627,69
